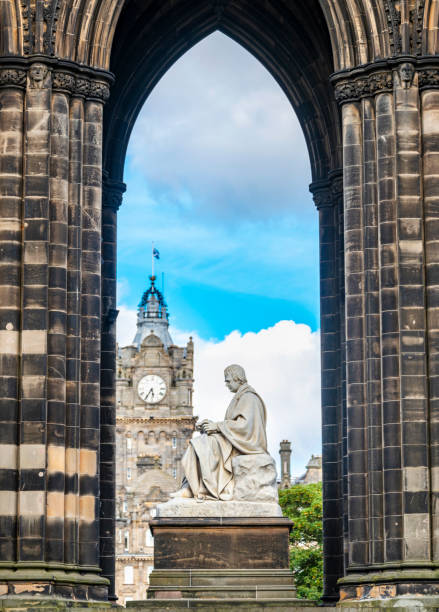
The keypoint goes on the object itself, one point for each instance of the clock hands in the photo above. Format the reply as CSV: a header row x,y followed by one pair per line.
x,y
150,391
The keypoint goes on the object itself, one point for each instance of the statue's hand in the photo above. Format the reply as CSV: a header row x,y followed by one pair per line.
x,y
210,427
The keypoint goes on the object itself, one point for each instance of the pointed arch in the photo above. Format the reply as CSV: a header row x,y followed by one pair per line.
x,y
430,31
291,41
11,30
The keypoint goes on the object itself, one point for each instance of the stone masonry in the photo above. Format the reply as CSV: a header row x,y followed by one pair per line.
x,y
363,78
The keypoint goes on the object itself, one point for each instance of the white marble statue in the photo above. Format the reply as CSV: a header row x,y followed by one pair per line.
x,y
229,461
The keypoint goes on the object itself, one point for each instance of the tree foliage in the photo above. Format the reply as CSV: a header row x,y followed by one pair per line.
x,y
303,505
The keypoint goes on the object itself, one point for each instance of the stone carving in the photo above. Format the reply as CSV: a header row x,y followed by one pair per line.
x,y
417,20
348,91
39,26
255,473
406,72
39,76
394,23
322,198
27,16
112,193
80,86
50,17
429,78
99,90
63,81
230,460
12,76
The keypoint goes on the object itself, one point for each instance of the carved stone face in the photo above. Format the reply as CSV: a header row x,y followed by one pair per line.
x,y
406,72
38,72
231,384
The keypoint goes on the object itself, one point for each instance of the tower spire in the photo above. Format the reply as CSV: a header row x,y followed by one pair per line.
x,y
152,315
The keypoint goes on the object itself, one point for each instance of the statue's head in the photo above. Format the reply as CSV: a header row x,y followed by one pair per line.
x,y
406,73
234,376
38,72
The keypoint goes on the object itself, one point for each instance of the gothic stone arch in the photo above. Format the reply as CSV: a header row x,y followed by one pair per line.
x,y
363,78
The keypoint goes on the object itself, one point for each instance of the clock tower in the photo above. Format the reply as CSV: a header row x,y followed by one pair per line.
x,y
154,423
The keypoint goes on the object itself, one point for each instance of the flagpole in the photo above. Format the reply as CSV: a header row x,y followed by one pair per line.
x,y
152,259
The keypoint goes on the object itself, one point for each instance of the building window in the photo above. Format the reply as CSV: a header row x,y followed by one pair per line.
x,y
174,472
126,540
124,506
120,536
128,574
129,473
174,442
129,443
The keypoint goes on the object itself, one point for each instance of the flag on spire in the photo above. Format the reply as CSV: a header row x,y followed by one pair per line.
x,y
155,253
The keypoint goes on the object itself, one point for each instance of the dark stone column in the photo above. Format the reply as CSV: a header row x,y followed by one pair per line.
x,y
328,198
111,200
12,85
50,177
389,136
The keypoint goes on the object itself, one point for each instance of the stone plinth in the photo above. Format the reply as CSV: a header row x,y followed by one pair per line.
x,y
221,543
218,563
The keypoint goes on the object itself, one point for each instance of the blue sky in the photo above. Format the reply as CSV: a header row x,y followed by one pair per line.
x,y
217,173
217,176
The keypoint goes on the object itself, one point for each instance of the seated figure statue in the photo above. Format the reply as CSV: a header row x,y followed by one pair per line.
x,y
210,458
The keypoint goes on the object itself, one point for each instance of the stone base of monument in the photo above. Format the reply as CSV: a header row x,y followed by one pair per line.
x,y
221,562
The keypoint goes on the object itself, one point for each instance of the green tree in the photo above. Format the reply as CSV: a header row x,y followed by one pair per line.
x,y
303,505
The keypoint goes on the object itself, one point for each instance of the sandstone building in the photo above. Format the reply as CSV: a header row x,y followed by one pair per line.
x,y
154,423
313,471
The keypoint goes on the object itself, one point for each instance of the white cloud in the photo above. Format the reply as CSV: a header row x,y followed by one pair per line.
x,y
218,134
281,362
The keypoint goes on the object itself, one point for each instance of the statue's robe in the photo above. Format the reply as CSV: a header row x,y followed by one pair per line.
x,y
207,462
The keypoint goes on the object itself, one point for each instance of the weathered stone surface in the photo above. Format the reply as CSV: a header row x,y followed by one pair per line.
x,y
193,508
255,478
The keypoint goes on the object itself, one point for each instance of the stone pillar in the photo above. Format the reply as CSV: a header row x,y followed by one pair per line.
x,y
328,199
390,130
50,219
285,464
111,200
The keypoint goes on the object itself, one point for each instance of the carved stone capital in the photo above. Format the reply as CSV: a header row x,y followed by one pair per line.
x,y
99,91
43,72
13,77
112,194
63,81
355,88
321,193
80,86
428,78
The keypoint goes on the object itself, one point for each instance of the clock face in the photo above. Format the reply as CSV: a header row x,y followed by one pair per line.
x,y
151,388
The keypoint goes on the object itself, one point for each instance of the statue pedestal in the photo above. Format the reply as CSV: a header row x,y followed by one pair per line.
x,y
211,563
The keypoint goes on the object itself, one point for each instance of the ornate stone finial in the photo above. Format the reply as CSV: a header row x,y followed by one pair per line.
x,y
406,73
39,77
